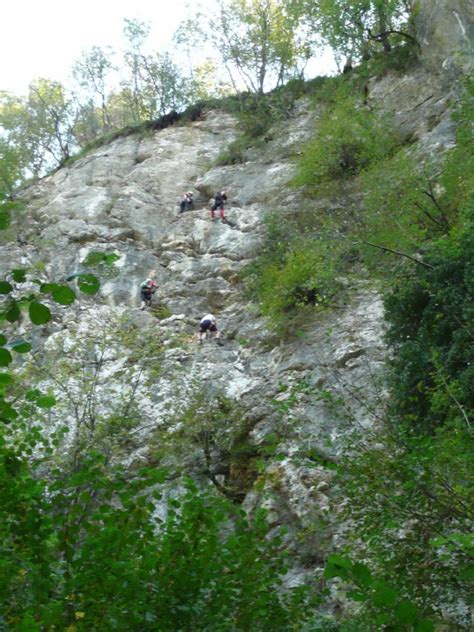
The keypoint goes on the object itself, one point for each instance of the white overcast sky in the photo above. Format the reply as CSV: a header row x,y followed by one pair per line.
x,y
43,38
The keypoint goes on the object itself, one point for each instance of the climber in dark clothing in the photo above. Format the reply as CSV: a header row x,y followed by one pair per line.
x,y
220,199
147,289
208,324
186,203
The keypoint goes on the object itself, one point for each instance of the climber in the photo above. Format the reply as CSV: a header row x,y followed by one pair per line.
x,y
220,199
186,203
208,323
147,289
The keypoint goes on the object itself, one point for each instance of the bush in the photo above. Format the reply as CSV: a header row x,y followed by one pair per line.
x,y
430,316
408,500
87,552
294,275
400,208
349,137
430,310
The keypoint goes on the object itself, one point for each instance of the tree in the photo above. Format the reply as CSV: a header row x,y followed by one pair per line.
x,y
353,28
155,84
38,129
20,137
164,87
10,167
262,43
92,74
54,114
136,33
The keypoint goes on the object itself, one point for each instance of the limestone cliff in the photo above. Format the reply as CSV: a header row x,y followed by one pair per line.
x,y
123,198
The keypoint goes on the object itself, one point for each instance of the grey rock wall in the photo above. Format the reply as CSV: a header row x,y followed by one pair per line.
x,y
445,30
123,198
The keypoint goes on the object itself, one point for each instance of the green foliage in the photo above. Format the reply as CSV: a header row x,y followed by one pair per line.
x,y
101,265
207,432
36,130
409,499
457,178
356,28
235,152
87,551
261,44
81,546
408,488
257,113
430,308
348,139
39,313
400,60
10,166
294,276
11,306
430,317
400,210
390,608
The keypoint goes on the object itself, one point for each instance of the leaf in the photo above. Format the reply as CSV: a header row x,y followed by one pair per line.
x,y
425,625
64,295
5,357
5,287
39,313
94,258
406,612
356,596
339,560
111,258
11,206
5,378
7,412
3,339
384,596
21,346
13,312
5,219
362,575
467,573
49,287
32,395
337,566
88,283
46,401
19,275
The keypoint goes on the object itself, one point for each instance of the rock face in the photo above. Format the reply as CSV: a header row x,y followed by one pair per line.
x,y
445,30
123,199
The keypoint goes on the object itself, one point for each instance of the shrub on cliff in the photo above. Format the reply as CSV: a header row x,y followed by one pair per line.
x,y
348,138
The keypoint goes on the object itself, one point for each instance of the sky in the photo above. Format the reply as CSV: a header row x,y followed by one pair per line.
x,y
43,38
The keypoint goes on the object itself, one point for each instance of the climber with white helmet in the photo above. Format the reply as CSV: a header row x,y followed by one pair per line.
x,y
186,203
208,324
147,289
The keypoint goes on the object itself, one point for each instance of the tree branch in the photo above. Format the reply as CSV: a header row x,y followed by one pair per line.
x,y
387,249
380,37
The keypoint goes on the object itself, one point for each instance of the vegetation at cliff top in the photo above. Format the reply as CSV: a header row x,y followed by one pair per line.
x,y
263,45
